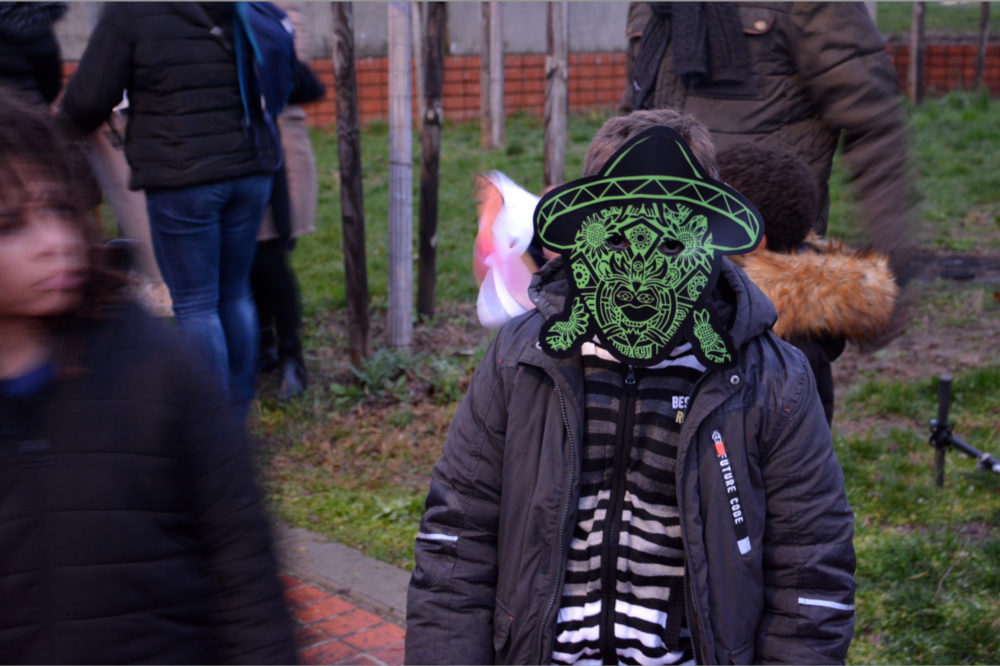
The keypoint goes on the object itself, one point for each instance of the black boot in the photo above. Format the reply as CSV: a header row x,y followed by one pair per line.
x,y
267,359
293,377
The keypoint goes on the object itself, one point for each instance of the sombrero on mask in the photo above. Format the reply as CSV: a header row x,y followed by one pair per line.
x,y
655,165
651,197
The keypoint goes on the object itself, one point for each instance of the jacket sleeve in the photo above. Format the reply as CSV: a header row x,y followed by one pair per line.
x,y
808,546
46,62
840,59
638,15
249,622
103,72
452,591
306,86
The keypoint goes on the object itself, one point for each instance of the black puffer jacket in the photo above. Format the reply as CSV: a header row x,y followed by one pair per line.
x,y
185,116
131,526
820,74
29,52
492,546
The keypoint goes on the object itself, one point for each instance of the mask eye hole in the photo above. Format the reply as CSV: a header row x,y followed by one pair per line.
x,y
671,247
617,242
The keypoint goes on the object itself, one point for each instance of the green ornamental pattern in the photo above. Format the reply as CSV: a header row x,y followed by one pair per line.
x,y
643,254
639,270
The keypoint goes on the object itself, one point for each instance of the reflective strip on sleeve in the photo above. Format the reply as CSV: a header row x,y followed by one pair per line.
x,y
436,537
806,601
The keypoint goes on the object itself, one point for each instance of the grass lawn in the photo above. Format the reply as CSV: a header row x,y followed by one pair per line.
x,y
928,558
351,458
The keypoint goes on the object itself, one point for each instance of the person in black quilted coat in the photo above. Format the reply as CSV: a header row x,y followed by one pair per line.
x,y
198,143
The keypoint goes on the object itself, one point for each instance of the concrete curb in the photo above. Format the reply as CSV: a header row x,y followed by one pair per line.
x,y
368,582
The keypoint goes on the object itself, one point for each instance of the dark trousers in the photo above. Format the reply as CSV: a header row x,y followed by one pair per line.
x,y
276,293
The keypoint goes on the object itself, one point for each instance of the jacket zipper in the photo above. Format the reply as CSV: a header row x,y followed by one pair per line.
x,y
613,522
696,639
561,569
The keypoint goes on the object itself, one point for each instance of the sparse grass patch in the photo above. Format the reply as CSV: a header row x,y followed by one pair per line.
x,y
959,170
366,436
927,596
373,520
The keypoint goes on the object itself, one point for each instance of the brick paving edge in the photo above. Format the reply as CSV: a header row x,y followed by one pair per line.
x,y
367,582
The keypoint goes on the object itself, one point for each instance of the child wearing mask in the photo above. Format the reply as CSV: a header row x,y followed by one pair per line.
x,y
640,472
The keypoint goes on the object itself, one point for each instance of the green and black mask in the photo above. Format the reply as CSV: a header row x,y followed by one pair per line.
x,y
643,241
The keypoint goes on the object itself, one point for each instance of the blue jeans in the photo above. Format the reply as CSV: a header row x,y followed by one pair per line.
x,y
204,238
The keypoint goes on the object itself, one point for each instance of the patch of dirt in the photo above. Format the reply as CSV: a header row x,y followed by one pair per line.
x,y
950,326
975,533
394,436
454,329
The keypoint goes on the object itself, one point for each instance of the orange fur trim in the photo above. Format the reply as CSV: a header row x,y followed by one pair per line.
x,y
838,291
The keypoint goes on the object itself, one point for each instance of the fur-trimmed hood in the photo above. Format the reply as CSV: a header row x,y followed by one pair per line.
x,y
827,289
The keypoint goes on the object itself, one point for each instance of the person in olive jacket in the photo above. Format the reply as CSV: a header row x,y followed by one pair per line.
x,y
131,529
640,471
801,76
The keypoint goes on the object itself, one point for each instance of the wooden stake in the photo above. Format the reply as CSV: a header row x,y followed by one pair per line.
x,y
484,75
915,77
417,40
430,155
352,208
556,92
400,323
984,20
496,76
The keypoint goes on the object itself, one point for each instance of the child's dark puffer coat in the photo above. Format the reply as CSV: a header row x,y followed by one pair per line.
x,y
493,542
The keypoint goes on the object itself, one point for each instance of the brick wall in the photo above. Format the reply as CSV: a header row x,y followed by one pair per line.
x,y
595,81
949,67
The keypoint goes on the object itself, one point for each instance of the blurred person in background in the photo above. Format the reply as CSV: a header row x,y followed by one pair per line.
x,y
104,148
291,214
131,529
30,61
826,293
